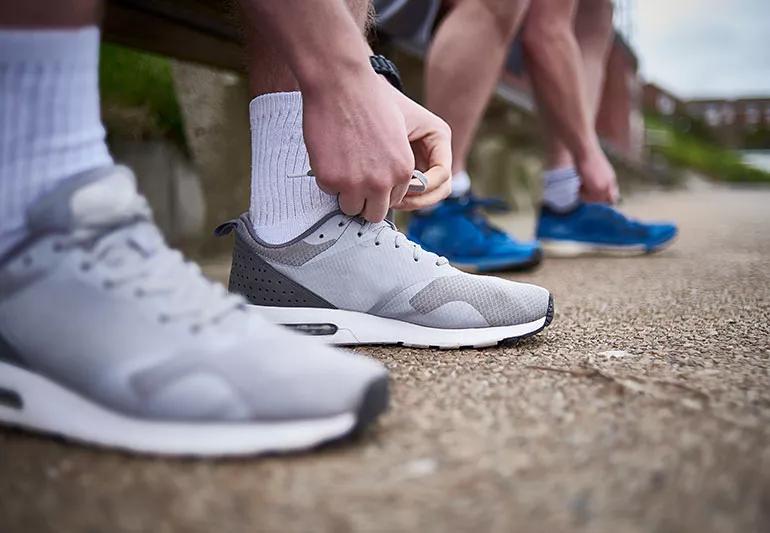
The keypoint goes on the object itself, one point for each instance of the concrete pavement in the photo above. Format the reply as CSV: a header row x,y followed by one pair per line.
x,y
645,407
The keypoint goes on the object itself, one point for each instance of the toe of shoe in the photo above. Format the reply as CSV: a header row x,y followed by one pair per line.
x,y
525,303
661,234
539,303
336,382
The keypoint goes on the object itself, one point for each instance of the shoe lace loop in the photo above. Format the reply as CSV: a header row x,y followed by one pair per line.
x,y
471,206
133,255
386,230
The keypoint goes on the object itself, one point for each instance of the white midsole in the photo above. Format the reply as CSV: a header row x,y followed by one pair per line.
x,y
354,327
559,248
51,408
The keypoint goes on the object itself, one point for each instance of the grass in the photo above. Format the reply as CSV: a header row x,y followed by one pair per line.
x,y
685,150
138,96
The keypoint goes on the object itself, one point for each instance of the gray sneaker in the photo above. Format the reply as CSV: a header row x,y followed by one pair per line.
x,y
109,337
361,283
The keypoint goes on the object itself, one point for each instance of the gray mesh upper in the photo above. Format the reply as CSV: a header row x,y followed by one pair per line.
x,y
296,255
135,331
370,269
491,297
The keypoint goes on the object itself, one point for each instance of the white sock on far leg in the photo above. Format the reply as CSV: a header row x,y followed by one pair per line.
x,y
461,184
50,125
284,202
561,188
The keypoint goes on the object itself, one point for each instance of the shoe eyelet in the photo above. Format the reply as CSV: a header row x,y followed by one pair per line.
x,y
416,260
340,224
376,243
321,236
398,246
360,234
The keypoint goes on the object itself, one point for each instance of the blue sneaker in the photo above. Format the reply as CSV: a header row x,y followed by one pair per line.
x,y
598,228
457,229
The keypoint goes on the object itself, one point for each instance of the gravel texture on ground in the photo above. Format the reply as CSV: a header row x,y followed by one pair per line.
x,y
644,407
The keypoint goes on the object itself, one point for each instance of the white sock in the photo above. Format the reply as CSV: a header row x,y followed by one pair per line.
x,y
461,184
284,201
50,127
561,188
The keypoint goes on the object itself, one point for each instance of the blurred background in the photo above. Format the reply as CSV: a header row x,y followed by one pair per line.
x,y
687,97
644,408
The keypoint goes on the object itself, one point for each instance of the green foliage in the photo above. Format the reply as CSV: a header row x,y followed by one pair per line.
x,y
684,150
758,139
138,95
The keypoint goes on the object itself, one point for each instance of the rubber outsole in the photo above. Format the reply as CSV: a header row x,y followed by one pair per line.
x,y
548,319
375,403
576,249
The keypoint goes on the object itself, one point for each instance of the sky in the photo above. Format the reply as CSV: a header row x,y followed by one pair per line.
x,y
701,48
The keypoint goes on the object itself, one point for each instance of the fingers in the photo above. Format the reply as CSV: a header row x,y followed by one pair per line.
x,y
373,205
426,199
439,149
376,208
604,192
438,176
615,194
397,194
370,197
351,203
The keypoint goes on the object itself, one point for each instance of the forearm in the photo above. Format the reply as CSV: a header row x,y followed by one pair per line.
x,y
554,63
319,40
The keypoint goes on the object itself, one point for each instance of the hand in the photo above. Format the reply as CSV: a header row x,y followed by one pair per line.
x,y
357,139
598,180
431,141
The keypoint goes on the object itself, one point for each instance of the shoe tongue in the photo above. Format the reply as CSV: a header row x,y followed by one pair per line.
x,y
98,198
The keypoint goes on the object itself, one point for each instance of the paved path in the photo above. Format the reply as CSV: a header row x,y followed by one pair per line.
x,y
645,407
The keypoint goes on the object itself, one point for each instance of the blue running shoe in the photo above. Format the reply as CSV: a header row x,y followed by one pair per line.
x,y
598,228
457,229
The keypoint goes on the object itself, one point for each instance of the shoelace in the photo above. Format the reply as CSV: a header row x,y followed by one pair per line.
x,y
471,206
137,258
617,216
386,230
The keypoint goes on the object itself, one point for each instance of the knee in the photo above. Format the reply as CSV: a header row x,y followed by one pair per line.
x,y
594,16
548,19
505,14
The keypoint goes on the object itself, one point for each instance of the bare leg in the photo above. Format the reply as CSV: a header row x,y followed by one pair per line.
x,y
556,67
594,32
50,14
268,71
554,64
464,64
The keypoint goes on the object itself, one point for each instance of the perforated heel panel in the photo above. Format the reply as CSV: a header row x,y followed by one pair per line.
x,y
261,284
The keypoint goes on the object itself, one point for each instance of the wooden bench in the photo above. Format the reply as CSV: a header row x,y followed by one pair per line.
x,y
207,32
191,30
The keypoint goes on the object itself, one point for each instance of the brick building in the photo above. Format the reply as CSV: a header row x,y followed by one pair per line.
x,y
737,123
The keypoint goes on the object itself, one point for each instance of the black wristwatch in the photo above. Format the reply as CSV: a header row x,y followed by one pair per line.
x,y
386,67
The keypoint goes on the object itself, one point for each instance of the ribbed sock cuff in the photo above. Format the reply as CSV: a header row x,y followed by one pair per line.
x,y
561,188
284,200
